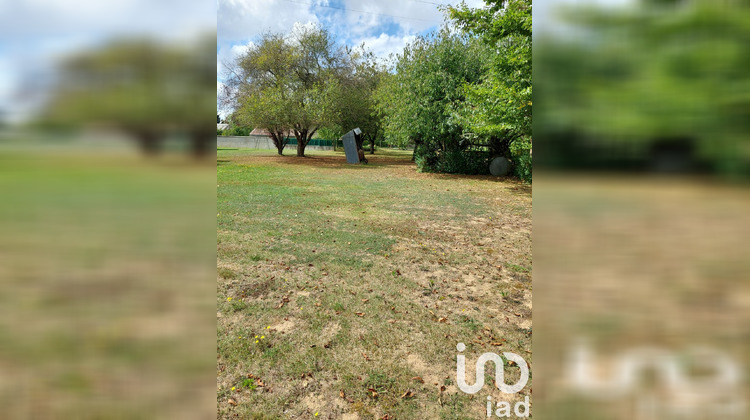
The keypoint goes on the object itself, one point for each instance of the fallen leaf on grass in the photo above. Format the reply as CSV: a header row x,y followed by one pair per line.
x,y
374,392
366,356
284,300
407,394
418,379
360,313
232,402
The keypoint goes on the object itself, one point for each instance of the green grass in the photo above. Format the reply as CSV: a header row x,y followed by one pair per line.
x,y
104,261
368,276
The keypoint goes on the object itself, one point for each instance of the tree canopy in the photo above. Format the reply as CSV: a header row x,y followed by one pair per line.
x,y
498,106
417,99
146,89
662,71
301,83
463,94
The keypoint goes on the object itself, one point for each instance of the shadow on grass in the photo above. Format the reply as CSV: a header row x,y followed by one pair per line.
x,y
339,162
388,158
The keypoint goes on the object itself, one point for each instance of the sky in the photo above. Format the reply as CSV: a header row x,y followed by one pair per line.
x,y
35,34
384,26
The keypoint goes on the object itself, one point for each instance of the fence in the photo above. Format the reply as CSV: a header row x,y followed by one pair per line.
x,y
265,143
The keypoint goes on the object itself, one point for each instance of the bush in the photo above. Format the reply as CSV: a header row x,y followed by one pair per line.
x,y
239,131
425,158
455,161
520,151
464,162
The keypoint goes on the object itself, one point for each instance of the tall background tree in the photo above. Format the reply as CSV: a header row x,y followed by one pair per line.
x,y
260,88
417,98
498,107
146,89
289,84
355,99
665,86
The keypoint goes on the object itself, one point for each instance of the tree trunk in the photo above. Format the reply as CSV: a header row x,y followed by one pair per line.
x,y
372,145
279,141
414,152
200,144
148,142
301,142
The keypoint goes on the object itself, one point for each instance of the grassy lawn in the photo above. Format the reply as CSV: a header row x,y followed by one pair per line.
x,y
103,311
358,282
633,262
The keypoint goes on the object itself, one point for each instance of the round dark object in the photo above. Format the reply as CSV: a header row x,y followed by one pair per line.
x,y
500,166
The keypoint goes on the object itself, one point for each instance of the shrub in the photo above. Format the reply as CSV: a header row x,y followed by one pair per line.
x,y
239,131
454,161
520,151
464,162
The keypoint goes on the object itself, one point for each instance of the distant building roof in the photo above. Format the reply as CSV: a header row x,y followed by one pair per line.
x,y
264,132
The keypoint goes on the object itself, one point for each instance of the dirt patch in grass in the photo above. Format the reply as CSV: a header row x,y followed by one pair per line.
x,y
284,326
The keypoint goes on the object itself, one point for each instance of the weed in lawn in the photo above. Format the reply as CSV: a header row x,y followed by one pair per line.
x,y
227,273
249,383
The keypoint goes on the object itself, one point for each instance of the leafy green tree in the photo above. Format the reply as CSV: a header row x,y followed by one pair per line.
x,y
355,100
498,107
416,100
658,72
288,84
260,88
143,88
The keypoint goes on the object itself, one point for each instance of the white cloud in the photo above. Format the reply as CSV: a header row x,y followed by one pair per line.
x,y
227,55
243,20
384,45
411,16
54,18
